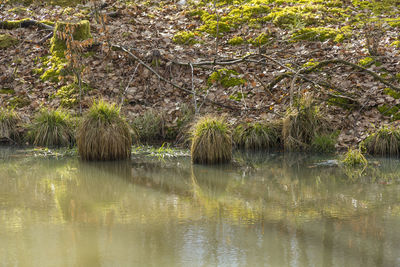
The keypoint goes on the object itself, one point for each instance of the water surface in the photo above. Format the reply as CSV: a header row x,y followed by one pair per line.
x,y
263,210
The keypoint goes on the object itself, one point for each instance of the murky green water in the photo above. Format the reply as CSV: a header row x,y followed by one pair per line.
x,y
265,210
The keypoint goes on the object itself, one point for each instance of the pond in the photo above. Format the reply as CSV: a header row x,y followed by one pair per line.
x,y
262,210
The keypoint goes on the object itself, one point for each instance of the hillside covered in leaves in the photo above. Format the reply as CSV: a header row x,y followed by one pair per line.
x,y
247,60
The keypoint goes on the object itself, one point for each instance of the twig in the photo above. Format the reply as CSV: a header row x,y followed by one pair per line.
x,y
122,48
129,82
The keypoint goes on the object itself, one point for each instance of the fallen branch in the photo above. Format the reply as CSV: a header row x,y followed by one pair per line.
x,y
121,48
24,23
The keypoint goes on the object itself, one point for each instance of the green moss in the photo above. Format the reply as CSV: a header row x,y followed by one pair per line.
x,y
237,40
395,44
19,101
7,41
7,91
311,63
226,77
210,27
341,102
393,93
394,22
81,31
18,10
56,63
185,38
261,39
391,111
12,24
365,61
318,34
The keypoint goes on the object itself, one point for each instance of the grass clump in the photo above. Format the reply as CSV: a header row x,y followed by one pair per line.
x,y
354,157
51,128
384,142
211,141
302,124
104,134
258,136
9,121
149,126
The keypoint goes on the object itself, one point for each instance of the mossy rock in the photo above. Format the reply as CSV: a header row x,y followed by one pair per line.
x,y
7,41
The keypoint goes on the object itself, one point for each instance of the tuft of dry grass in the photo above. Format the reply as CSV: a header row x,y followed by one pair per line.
x,y
9,120
211,141
258,136
51,128
104,134
384,142
302,124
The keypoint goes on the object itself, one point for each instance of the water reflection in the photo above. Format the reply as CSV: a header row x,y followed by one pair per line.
x,y
268,210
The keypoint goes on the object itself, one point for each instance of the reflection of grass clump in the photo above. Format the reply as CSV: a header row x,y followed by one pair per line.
x,y
9,121
354,157
149,126
51,128
384,142
104,134
302,124
211,141
258,135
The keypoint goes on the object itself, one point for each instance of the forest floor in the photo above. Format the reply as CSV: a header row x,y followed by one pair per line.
x,y
346,54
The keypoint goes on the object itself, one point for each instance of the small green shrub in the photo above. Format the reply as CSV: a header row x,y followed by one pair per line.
x,y
104,134
9,121
149,126
258,136
51,128
354,157
324,143
301,124
384,142
211,141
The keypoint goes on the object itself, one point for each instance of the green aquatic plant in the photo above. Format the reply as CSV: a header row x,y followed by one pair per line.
x,y
7,41
211,141
104,134
384,142
9,121
258,136
51,128
354,157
